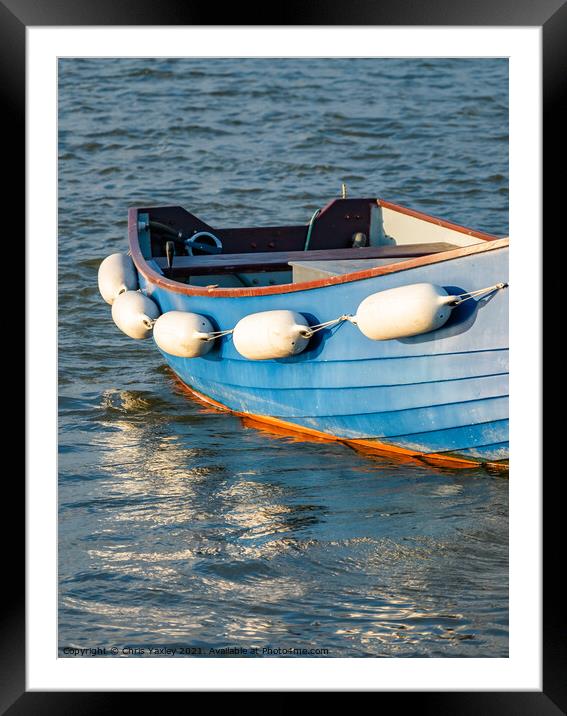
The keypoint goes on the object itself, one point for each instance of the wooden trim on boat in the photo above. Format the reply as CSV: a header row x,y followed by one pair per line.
x,y
157,279
368,446
435,220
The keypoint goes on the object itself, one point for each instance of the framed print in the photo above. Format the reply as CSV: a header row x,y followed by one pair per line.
x,y
221,551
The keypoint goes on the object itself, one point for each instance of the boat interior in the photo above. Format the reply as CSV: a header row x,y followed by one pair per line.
x,y
345,236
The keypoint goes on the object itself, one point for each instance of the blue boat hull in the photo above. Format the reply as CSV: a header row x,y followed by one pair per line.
x,y
443,393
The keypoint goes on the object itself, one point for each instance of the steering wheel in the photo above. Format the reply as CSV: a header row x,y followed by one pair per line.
x,y
192,244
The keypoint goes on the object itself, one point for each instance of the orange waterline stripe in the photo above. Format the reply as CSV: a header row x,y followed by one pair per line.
x,y
368,445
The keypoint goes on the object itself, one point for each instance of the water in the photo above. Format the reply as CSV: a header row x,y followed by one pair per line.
x,y
182,527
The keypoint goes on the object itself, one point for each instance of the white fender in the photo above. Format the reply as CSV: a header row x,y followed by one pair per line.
x,y
183,334
404,311
116,274
271,334
134,314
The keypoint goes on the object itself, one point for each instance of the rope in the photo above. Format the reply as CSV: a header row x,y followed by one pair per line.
x,y
190,243
213,335
310,330
479,292
310,229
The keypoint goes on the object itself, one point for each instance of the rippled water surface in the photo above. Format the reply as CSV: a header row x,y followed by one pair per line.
x,y
182,527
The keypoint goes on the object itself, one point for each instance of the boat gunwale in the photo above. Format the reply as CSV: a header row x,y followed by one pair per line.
x,y
489,243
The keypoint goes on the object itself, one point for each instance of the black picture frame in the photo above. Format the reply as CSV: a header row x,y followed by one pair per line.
x,y
551,16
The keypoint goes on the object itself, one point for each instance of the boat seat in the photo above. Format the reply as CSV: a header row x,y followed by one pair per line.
x,y
184,266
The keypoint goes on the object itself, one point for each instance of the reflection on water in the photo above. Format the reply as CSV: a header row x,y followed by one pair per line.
x,y
275,542
180,525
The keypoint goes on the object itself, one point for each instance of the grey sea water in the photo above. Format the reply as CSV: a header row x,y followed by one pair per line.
x,y
183,527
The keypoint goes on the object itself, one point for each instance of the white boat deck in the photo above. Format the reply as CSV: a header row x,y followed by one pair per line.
x,y
315,270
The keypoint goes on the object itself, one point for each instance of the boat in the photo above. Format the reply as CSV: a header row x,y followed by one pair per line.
x,y
372,324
